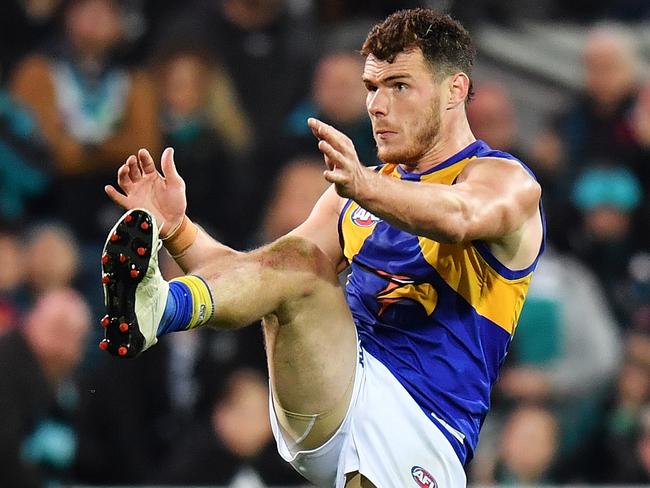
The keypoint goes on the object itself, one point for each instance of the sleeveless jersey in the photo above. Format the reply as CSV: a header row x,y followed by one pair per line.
x,y
439,316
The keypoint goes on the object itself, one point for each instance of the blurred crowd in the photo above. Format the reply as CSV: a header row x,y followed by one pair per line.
x,y
229,84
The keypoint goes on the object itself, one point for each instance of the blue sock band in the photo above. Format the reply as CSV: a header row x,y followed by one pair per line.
x,y
178,310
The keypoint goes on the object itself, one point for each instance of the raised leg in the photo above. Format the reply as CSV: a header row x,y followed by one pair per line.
x,y
309,332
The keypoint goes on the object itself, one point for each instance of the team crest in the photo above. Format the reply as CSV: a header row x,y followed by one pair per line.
x,y
363,218
423,478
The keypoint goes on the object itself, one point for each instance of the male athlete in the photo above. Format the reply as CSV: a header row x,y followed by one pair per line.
x,y
386,384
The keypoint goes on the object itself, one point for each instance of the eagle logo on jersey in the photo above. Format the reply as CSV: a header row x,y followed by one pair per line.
x,y
363,218
423,478
405,288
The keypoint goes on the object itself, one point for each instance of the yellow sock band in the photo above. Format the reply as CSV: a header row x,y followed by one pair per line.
x,y
202,303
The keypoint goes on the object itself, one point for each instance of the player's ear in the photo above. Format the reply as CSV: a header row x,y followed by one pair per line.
x,y
459,85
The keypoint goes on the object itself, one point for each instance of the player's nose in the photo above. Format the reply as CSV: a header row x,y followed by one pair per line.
x,y
377,103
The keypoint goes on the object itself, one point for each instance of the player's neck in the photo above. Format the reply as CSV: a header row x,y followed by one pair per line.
x,y
450,141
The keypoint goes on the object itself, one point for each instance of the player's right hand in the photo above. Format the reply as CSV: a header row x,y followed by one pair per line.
x,y
144,187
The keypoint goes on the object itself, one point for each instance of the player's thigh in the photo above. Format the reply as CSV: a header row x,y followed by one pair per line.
x,y
313,355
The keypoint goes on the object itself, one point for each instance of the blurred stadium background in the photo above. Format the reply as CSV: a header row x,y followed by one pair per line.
x,y
229,83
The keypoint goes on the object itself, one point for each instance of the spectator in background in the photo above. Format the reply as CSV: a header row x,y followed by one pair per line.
x,y
491,115
37,442
133,414
599,125
612,451
51,259
567,344
638,337
641,127
11,278
186,77
337,98
234,446
297,189
643,448
528,449
93,112
606,198
265,50
125,421
641,115
24,163
25,25
264,47
143,22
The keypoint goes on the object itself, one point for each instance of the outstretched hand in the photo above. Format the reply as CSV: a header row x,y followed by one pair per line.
x,y
343,166
144,187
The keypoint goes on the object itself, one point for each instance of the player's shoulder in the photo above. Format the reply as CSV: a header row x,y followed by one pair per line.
x,y
502,164
505,174
330,201
496,161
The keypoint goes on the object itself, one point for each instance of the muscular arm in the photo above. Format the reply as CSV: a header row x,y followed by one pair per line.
x,y
491,199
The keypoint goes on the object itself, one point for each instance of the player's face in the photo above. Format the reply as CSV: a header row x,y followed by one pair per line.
x,y
403,102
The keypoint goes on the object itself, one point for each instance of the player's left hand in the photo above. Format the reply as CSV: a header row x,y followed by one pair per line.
x,y
143,186
343,166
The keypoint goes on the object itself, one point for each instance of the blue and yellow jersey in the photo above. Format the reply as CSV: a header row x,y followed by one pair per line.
x,y
439,316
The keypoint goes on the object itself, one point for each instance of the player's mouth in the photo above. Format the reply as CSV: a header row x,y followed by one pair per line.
x,y
385,134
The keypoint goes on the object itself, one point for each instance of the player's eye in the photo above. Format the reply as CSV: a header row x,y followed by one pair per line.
x,y
400,87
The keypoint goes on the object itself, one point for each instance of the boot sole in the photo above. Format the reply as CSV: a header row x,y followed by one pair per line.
x,y
125,261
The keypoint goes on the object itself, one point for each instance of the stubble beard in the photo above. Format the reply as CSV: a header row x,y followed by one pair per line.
x,y
426,136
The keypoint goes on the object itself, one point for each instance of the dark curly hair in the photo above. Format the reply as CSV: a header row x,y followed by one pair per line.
x,y
444,42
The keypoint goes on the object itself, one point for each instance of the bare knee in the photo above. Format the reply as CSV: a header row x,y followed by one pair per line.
x,y
276,278
300,270
297,254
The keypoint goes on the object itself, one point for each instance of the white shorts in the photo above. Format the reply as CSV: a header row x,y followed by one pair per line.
x,y
385,436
